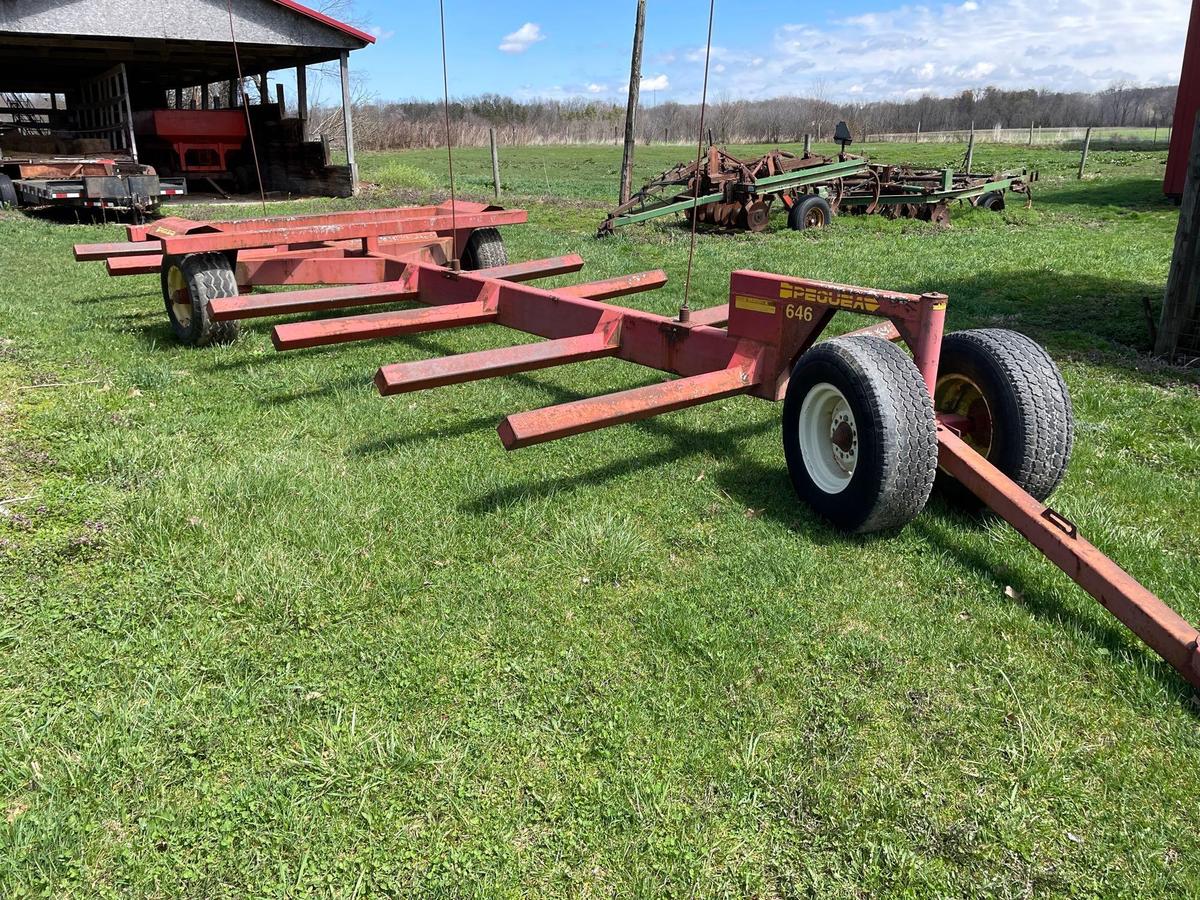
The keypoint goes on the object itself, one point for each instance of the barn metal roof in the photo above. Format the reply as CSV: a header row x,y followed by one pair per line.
x,y
327,20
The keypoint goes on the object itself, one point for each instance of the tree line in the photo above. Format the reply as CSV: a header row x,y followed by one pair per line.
x,y
382,125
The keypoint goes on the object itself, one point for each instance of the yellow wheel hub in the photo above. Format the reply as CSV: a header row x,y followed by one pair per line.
x,y
960,396
180,296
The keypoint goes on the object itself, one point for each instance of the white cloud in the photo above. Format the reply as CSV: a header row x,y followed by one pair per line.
x,y
594,88
380,34
908,50
523,38
656,83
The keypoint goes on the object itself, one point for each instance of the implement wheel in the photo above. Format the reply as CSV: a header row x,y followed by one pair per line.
x,y
484,249
993,200
859,434
1013,405
188,283
810,212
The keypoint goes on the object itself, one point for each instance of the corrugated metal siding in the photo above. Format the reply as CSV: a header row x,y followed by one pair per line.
x,y
1186,106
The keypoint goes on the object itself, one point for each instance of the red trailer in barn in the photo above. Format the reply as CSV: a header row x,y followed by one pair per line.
x,y
1187,104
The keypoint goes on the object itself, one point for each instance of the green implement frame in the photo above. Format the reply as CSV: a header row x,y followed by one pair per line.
x,y
725,191
645,205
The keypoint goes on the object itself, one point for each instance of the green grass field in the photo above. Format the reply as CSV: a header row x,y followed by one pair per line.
x,y
264,633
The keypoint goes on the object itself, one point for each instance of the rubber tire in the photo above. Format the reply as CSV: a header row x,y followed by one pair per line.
x,y
800,210
897,433
1033,425
208,276
8,193
993,200
484,249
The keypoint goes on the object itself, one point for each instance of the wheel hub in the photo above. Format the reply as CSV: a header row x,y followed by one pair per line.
x,y
957,395
180,296
828,438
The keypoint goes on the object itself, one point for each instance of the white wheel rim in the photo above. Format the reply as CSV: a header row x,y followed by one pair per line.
x,y
828,438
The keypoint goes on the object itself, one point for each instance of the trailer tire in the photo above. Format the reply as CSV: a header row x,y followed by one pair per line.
x,y
188,283
484,249
993,200
8,193
812,211
859,434
1010,388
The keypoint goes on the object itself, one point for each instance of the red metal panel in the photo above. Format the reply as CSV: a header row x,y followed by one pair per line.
x,y
553,422
133,265
400,378
534,268
96,252
296,335
364,270
1187,104
288,235
616,287
1166,632
713,315
252,305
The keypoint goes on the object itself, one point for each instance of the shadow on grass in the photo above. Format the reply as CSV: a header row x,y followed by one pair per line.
x,y
1140,194
684,442
1106,321
395,442
770,491
937,524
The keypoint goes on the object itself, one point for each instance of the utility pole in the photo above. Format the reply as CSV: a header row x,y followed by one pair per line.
x,y
635,85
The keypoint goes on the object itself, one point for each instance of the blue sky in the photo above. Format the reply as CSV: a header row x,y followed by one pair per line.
x,y
868,49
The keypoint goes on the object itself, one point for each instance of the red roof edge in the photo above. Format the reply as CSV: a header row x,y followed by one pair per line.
x,y
326,20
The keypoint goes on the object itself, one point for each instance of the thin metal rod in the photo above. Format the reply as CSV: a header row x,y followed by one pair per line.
x,y
685,310
449,149
262,194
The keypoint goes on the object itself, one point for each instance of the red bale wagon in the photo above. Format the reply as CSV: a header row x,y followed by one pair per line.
x,y
867,428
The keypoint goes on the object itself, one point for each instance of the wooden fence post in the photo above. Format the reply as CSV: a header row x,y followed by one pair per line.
x,y
495,162
1087,143
807,144
1183,281
971,149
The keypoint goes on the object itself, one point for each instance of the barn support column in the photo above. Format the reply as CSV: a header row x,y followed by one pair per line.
x,y
302,100
346,120
233,93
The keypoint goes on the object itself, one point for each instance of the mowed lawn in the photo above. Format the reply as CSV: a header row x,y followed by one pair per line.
x,y
265,633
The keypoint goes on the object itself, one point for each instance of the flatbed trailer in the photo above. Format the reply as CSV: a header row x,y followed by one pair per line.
x,y
84,182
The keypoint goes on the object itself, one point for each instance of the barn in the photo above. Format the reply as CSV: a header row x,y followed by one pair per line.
x,y
195,88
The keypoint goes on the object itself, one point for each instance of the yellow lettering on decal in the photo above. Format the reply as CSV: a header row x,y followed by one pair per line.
x,y
754,304
827,297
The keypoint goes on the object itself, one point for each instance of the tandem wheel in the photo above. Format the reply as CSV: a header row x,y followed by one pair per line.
x,y
1019,411
859,434
188,283
484,249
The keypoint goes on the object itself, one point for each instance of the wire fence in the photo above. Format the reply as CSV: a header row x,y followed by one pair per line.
x,y
1031,136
